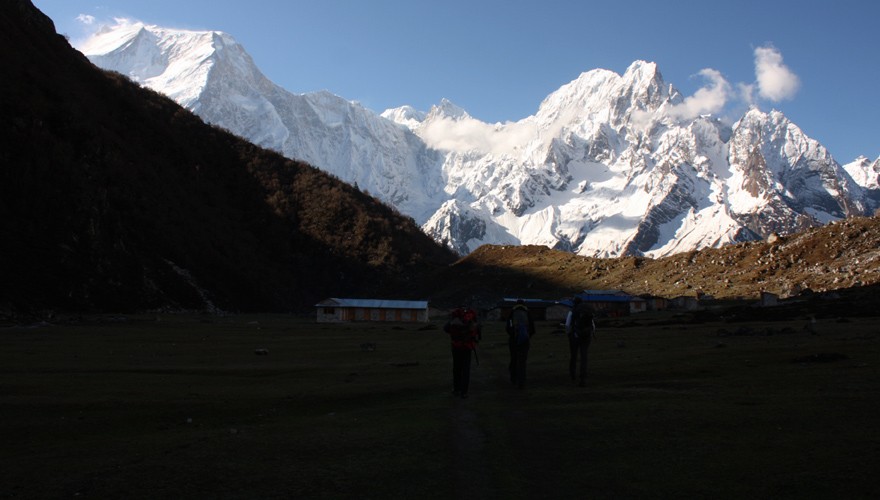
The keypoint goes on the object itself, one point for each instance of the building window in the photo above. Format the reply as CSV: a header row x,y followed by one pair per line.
x,y
329,310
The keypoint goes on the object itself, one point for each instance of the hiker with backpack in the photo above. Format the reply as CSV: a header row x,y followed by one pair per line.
x,y
464,333
580,327
520,329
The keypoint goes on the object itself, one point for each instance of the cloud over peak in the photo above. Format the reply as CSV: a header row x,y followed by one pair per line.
x,y
469,134
717,96
709,99
775,81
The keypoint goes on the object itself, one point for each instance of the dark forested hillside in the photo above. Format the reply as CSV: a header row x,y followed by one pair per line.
x,y
114,198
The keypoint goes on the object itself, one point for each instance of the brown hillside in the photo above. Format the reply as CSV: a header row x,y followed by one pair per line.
x,y
113,197
842,255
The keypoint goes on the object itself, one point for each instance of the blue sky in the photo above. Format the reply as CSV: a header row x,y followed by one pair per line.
x,y
499,59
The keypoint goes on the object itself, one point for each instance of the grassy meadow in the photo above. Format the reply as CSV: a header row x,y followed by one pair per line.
x,y
185,406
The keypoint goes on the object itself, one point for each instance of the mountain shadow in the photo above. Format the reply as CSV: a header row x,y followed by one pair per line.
x,y
114,198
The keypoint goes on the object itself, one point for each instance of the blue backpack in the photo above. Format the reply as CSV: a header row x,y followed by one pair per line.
x,y
520,321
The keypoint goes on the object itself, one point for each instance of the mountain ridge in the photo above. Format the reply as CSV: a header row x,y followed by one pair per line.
x,y
609,165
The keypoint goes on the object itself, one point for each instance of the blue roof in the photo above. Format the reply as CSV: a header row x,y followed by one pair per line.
x,y
527,302
605,296
374,303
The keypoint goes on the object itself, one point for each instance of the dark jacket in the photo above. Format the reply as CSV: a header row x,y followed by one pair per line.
x,y
580,322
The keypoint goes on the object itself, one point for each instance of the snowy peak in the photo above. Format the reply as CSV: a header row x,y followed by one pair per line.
x,y
642,86
643,74
785,179
407,116
212,75
175,62
446,110
865,172
604,97
127,37
132,48
587,92
782,139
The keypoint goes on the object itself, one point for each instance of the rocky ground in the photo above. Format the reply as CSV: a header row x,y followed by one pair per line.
x,y
840,256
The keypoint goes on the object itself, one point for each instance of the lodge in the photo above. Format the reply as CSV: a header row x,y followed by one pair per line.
x,y
613,303
335,310
541,309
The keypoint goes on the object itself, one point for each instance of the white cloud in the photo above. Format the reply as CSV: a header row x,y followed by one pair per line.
x,y
716,97
775,81
86,19
709,99
747,91
122,22
470,134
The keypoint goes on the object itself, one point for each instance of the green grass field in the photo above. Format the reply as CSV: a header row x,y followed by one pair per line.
x,y
181,406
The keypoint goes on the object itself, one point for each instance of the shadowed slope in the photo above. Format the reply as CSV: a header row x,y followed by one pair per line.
x,y
113,197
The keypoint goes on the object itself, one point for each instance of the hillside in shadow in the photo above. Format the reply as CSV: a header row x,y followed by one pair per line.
x,y
114,198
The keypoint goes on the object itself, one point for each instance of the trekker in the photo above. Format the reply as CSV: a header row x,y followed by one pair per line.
x,y
580,328
520,329
464,332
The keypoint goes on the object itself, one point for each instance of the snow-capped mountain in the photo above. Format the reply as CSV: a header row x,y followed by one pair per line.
x,y
212,75
865,172
609,165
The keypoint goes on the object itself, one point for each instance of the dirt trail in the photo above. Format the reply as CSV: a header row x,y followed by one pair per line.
x,y
473,474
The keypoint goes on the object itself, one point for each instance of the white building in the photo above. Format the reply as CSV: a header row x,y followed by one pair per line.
x,y
336,310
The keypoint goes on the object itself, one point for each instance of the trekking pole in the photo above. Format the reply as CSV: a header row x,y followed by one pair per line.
x,y
476,356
